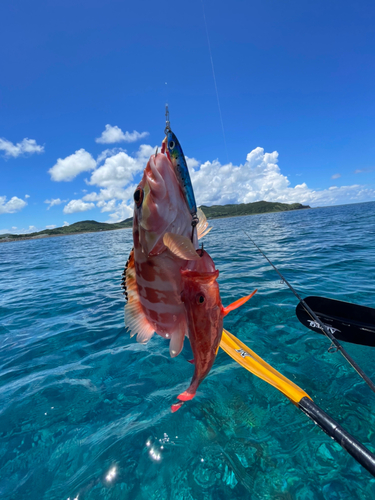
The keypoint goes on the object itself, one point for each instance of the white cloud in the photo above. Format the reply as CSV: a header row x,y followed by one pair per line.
x,y
120,169
115,180
66,169
106,194
52,202
13,205
115,134
363,170
259,178
15,230
107,206
77,206
123,211
107,199
52,226
27,196
108,152
66,224
336,176
26,146
143,154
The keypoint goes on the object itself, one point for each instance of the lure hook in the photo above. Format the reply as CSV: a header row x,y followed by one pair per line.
x,y
194,222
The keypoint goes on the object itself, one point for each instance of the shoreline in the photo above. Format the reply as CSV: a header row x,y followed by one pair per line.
x,y
45,236
260,213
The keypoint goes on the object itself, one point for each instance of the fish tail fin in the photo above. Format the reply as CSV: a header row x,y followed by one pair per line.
x,y
186,396
176,407
238,303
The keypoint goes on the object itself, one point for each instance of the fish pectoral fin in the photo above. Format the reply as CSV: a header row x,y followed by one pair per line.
x,y
137,323
202,227
181,246
192,361
177,340
238,303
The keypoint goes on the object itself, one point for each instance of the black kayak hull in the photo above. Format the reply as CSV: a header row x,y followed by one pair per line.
x,y
346,321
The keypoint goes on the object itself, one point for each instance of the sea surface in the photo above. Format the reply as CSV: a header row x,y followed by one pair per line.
x,y
85,410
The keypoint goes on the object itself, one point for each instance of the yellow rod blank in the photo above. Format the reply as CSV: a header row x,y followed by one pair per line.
x,y
256,365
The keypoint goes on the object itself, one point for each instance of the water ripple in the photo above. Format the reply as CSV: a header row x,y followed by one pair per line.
x,y
85,410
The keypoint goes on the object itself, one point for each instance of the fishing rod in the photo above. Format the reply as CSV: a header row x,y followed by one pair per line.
x,y
325,330
249,360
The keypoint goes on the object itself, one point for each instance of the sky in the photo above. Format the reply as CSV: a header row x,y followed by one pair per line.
x,y
83,87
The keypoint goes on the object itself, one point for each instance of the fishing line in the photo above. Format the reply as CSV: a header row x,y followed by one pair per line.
x,y
322,326
213,74
166,94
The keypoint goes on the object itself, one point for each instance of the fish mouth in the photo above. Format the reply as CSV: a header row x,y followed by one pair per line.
x,y
155,179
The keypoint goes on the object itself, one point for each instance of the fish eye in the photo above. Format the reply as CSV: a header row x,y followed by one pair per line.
x,y
172,145
200,298
138,197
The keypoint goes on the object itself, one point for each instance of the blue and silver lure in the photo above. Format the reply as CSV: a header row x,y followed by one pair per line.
x,y
182,173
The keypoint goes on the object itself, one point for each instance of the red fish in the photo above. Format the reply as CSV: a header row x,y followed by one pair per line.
x,y
152,274
165,273
205,314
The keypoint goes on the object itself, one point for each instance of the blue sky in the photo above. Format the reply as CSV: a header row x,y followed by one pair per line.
x,y
295,82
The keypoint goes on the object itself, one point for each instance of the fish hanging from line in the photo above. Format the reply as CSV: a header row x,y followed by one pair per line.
x,y
165,270
152,278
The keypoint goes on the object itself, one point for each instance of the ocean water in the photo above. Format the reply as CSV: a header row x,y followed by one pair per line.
x,y
85,410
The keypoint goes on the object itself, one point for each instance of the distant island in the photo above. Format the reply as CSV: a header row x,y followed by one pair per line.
x,y
86,226
258,207
214,212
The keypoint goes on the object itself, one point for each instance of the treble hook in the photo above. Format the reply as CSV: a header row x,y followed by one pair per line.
x,y
194,222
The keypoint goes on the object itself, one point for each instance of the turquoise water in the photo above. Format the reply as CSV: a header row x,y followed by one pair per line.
x,y
85,410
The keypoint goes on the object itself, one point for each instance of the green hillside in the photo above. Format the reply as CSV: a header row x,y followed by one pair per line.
x,y
214,212
258,207
86,226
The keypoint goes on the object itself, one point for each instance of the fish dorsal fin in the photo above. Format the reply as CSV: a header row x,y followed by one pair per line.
x,y
237,303
202,227
123,281
181,246
135,318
